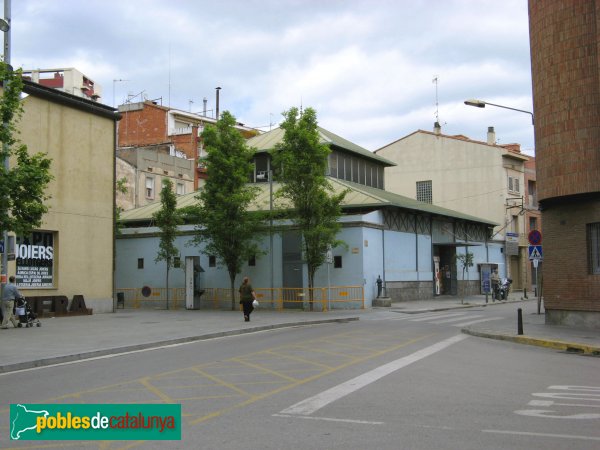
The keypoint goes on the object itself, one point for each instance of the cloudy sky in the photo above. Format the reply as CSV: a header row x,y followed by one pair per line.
x,y
367,67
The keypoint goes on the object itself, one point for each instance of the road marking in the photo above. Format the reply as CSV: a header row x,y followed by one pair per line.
x,y
454,319
310,405
471,322
549,435
330,419
439,316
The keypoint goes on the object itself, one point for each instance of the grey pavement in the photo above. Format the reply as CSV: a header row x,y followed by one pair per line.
x,y
66,339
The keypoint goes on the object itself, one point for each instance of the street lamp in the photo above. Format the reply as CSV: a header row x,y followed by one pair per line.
x,y
5,28
481,104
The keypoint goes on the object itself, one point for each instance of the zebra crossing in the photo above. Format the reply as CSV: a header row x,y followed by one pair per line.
x,y
456,319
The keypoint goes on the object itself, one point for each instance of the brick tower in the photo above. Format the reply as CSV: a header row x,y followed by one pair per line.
x,y
565,65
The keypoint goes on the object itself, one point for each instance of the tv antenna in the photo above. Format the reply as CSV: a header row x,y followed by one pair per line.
x,y
437,113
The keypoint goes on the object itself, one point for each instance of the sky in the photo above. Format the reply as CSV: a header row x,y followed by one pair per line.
x,y
374,70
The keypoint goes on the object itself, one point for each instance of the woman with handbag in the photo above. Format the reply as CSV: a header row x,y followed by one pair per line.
x,y
247,297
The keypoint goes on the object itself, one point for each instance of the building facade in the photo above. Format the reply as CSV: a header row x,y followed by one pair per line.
x,y
478,178
565,67
140,172
407,243
148,123
72,252
68,80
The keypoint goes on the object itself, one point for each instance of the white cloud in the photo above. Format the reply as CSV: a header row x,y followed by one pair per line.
x,y
366,66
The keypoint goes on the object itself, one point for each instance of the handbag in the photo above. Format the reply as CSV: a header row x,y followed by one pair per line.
x,y
255,303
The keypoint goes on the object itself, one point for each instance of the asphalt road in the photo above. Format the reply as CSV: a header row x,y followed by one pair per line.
x,y
397,381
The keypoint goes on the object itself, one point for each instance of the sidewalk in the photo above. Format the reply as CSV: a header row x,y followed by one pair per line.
x,y
64,339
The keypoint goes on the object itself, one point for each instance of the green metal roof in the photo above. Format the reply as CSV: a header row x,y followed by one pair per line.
x,y
267,141
358,196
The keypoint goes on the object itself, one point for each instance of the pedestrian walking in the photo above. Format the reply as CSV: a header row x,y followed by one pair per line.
x,y
247,296
9,295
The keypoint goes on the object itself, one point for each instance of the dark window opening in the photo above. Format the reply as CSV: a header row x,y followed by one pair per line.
x,y
337,262
212,261
252,261
140,263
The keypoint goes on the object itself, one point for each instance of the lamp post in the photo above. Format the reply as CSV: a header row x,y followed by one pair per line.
x,y
481,104
5,28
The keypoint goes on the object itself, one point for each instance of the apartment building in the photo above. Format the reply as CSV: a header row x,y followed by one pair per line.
x,y
148,123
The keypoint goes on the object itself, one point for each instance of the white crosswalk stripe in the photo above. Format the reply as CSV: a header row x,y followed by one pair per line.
x,y
439,318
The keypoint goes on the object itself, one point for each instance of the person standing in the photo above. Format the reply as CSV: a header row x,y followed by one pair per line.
x,y
10,294
247,296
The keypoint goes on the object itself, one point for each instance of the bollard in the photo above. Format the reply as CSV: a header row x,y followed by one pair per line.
x,y
525,293
519,321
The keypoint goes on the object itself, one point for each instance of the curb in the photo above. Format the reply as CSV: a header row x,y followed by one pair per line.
x,y
570,347
130,348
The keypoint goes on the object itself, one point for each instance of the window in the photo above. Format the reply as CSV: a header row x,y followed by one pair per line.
x,y
150,187
593,243
180,188
513,184
212,261
140,263
337,262
424,191
252,261
533,223
177,262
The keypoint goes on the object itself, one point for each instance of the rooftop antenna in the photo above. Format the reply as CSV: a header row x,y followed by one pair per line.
x,y
437,113
191,102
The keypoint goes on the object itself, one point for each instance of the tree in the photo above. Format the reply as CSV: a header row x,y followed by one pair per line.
x,y
466,261
167,219
23,185
224,223
300,161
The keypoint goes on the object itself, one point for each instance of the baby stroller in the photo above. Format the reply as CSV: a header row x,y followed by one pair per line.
x,y
25,314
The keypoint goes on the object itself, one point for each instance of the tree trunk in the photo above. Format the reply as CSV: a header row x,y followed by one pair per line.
x,y
167,285
311,280
232,281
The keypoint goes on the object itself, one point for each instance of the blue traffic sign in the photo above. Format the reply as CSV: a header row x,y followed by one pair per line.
x,y
535,252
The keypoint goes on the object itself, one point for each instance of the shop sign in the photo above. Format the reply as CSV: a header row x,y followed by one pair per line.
x,y
35,260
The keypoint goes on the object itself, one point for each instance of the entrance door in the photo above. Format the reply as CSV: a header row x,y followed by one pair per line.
x,y
448,270
292,269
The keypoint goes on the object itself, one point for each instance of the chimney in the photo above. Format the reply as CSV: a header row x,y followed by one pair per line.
x,y
204,100
437,128
491,136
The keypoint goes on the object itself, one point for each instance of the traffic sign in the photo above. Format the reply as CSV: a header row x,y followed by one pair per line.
x,y
535,237
535,252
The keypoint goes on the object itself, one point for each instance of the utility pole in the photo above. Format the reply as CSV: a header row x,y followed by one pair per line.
x,y
5,27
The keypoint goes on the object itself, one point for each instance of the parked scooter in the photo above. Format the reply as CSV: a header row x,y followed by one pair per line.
x,y
504,288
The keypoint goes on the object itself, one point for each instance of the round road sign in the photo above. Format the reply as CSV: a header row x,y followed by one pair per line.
x,y
535,237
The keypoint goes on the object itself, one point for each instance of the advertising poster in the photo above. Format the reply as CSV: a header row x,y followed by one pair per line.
x,y
35,260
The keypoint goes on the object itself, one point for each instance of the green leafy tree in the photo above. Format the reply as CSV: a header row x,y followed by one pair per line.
x,y
23,185
466,261
167,219
301,164
224,224
121,187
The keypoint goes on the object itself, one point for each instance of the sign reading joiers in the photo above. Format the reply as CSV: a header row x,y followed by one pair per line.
x,y
35,260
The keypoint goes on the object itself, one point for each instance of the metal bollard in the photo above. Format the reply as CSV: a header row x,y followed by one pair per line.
x,y
519,321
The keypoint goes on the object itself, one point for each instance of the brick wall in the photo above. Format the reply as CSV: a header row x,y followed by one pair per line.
x,y
565,59
567,282
143,127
